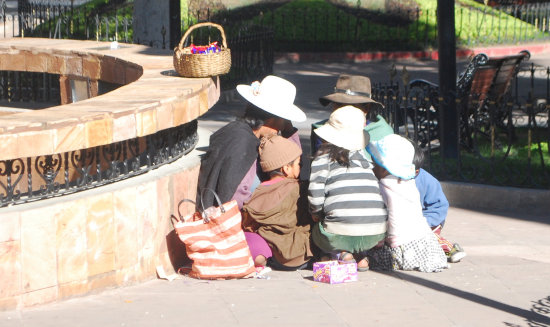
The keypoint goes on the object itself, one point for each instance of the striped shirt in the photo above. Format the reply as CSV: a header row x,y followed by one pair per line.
x,y
348,198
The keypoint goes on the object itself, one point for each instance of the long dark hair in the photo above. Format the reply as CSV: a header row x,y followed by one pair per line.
x,y
335,153
418,159
255,117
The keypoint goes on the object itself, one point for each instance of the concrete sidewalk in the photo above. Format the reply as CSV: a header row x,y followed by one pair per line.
x,y
504,280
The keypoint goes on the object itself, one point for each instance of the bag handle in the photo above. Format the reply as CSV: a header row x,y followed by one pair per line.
x,y
205,218
175,219
190,29
220,204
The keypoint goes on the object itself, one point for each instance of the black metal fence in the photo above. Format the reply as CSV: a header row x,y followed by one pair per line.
x,y
509,151
299,28
66,19
35,178
29,87
336,28
251,45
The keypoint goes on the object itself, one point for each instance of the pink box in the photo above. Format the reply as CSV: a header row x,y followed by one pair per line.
x,y
333,272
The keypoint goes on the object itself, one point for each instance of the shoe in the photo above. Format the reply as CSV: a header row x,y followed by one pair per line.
x,y
361,264
456,254
262,271
345,257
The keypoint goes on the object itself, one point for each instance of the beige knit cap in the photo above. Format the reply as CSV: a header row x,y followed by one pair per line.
x,y
277,151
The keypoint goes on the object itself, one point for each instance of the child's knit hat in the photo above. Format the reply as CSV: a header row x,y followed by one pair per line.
x,y
277,151
395,153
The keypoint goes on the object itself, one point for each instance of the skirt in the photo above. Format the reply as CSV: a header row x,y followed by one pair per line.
x,y
423,255
329,242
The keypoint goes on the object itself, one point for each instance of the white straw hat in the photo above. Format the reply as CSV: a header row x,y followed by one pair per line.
x,y
395,153
345,128
274,95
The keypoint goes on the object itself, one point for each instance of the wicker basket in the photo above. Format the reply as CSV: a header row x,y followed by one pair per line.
x,y
188,64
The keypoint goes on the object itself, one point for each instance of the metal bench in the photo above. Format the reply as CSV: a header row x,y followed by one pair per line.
x,y
481,90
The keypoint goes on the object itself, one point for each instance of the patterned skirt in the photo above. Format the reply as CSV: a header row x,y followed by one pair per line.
x,y
423,255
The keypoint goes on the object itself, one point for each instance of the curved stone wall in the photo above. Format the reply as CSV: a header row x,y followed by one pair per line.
x,y
151,99
112,235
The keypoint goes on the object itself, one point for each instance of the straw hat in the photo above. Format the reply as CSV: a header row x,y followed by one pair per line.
x,y
395,153
350,89
345,128
274,95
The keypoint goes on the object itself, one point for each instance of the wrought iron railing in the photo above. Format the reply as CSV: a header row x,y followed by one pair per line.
x,y
342,28
251,45
29,179
39,88
508,141
302,28
65,19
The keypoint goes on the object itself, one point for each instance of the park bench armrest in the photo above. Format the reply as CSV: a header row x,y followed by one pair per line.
x,y
422,83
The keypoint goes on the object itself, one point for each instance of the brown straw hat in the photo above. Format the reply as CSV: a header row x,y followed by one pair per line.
x,y
350,89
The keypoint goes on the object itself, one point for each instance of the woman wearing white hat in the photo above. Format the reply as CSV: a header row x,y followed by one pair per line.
x,y
229,166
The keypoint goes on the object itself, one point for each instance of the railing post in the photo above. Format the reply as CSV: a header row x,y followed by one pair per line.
x,y
175,23
447,77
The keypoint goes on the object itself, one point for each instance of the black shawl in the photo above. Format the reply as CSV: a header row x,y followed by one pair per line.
x,y
233,149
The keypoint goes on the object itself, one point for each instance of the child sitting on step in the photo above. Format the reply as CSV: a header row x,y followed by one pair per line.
x,y
275,219
344,197
410,243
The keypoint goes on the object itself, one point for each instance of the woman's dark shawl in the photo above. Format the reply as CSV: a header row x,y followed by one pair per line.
x,y
232,151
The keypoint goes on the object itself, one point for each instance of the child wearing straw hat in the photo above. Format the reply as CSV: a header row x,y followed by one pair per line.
x,y
410,243
275,219
354,90
344,195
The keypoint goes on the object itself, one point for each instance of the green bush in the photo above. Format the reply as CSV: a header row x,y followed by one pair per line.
x,y
91,21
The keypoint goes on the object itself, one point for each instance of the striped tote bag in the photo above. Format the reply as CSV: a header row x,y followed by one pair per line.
x,y
215,241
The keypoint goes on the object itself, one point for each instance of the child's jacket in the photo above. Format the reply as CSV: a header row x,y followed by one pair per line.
x,y
433,200
277,213
405,220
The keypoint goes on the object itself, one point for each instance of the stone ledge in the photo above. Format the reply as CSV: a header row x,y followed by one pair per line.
x,y
152,98
478,196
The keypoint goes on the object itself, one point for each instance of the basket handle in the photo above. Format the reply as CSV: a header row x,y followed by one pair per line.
x,y
190,29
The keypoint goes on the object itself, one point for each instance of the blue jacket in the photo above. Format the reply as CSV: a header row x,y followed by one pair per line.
x,y
433,200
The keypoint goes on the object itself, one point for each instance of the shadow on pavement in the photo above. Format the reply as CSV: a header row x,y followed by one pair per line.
x,y
545,219
532,317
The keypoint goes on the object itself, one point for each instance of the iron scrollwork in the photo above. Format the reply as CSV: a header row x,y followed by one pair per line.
x,y
69,172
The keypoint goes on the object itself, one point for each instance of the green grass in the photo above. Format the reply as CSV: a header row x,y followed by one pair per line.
x,y
305,24
81,23
516,163
318,24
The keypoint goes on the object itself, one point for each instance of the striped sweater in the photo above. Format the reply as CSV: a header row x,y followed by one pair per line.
x,y
348,198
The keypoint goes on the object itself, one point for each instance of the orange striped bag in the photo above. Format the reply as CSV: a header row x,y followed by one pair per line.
x,y
215,241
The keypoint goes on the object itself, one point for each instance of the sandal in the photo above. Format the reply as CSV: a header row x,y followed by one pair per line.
x,y
343,255
362,267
